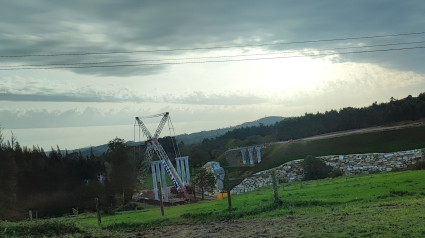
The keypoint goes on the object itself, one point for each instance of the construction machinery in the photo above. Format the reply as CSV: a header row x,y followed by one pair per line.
x,y
153,146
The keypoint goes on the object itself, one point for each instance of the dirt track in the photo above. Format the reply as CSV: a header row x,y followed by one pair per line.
x,y
283,227
350,132
359,131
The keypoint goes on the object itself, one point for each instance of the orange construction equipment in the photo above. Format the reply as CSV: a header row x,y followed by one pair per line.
x,y
221,195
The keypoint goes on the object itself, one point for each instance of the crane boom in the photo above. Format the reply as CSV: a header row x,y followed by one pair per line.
x,y
144,129
154,146
174,176
161,125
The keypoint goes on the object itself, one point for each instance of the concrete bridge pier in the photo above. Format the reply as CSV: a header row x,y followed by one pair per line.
x,y
243,151
251,156
258,149
158,175
183,169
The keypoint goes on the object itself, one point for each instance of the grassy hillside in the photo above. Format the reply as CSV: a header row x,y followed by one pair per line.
x,y
382,141
385,205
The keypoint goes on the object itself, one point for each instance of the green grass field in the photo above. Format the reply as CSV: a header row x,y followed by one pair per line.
x,y
378,205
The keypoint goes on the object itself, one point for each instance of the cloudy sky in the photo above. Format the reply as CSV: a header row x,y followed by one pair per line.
x,y
76,73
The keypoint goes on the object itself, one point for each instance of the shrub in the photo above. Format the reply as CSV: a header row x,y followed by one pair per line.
x,y
420,165
127,207
173,190
38,228
315,168
283,180
336,173
189,189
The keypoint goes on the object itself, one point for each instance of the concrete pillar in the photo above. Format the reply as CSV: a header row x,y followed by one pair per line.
x,y
187,170
155,187
243,156
251,156
164,190
158,175
258,149
178,167
158,172
183,171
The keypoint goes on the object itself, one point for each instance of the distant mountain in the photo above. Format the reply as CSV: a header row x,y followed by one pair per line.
x,y
265,121
191,138
197,137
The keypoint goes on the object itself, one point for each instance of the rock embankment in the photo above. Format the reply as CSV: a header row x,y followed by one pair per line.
x,y
348,164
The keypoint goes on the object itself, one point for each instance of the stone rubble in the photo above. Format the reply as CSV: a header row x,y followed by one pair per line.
x,y
348,164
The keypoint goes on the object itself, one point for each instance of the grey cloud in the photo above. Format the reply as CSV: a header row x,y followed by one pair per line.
x,y
54,98
39,90
99,26
36,91
43,118
216,99
198,98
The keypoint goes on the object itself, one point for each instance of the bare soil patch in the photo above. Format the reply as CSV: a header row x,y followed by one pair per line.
x,y
283,227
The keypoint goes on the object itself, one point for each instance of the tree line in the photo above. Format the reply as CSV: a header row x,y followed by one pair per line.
x,y
349,118
54,183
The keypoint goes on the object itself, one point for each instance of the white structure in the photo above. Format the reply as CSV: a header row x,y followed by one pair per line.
x,y
251,154
243,151
164,164
158,175
258,149
183,169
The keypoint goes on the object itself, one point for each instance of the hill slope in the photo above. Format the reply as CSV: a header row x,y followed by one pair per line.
x,y
197,137
378,139
188,139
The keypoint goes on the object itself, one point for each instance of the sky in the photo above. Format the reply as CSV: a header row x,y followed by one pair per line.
x,y
76,73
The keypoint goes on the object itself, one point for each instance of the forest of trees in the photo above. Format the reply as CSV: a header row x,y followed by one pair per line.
x,y
54,183
409,108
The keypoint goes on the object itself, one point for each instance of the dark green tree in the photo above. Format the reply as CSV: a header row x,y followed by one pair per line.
x,y
8,182
123,171
315,168
204,180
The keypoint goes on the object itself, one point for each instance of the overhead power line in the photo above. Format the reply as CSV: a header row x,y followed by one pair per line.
x,y
205,57
210,48
216,61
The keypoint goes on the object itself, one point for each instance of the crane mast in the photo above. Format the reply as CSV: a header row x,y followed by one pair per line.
x,y
153,146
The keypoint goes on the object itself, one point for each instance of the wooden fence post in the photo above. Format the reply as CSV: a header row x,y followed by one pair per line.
x,y
160,199
99,218
277,200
